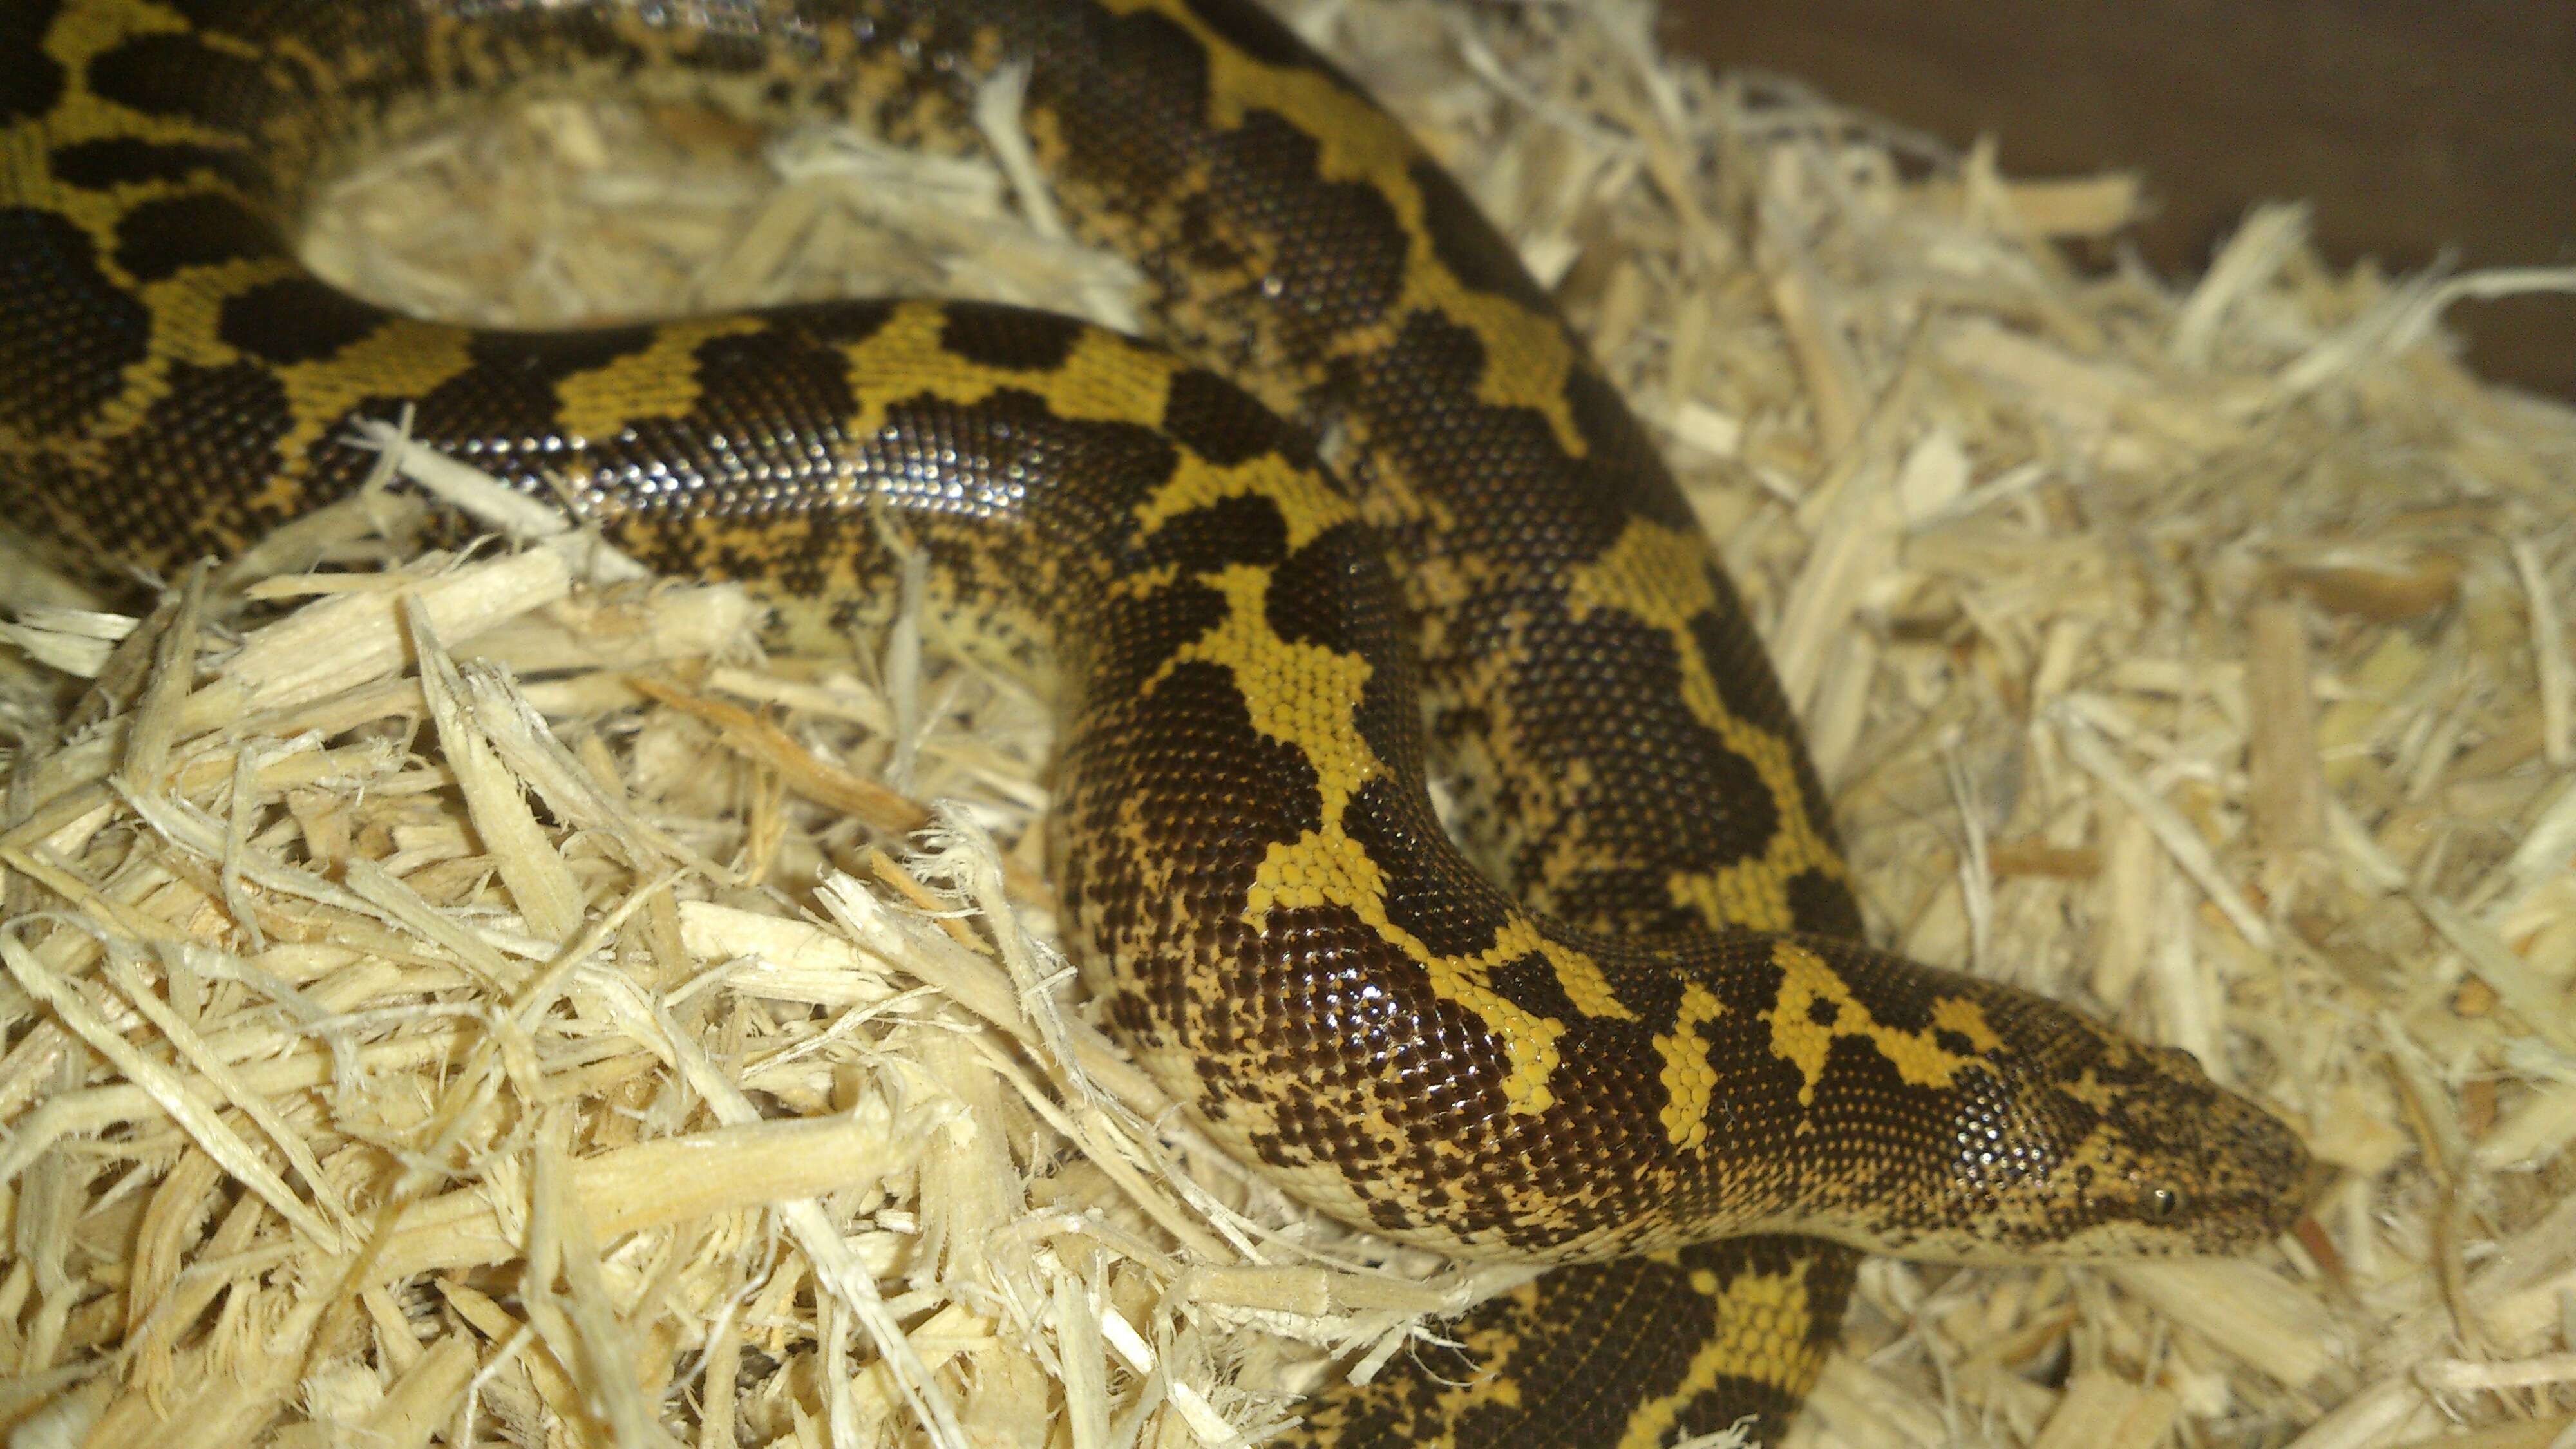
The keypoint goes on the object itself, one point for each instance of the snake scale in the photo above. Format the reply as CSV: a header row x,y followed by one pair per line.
x,y
1612,1014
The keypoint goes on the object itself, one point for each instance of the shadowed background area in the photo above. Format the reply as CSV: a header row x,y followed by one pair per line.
x,y
2413,130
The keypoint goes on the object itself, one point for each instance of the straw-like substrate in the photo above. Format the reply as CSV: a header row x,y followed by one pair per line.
x,y
474,999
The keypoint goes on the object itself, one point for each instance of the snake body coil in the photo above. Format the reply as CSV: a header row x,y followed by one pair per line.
x,y
1637,1022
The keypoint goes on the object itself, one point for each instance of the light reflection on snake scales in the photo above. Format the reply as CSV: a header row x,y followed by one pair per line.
x,y
1593,1047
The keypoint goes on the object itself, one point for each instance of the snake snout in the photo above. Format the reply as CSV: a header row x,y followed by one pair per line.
x,y
2067,1140
2253,1174
2162,1161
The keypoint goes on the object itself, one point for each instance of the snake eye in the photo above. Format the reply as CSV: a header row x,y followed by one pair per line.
x,y
2161,1205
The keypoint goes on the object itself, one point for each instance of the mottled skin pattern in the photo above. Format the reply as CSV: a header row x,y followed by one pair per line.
x,y
1638,1021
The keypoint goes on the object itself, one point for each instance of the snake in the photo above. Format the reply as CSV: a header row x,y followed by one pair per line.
x,y
1360,514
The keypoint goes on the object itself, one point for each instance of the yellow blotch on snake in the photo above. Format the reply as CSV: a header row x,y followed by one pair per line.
x,y
1918,1056
658,381
1658,576
1528,358
1689,1081
1308,696
1305,503
1764,1313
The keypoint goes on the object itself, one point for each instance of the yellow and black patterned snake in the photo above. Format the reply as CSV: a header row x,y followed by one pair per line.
x,y
1612,1014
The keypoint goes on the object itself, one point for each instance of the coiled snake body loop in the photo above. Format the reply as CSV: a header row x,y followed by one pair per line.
x,y
1638,1022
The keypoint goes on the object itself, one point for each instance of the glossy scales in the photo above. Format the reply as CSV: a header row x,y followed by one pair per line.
x,y
1630,1015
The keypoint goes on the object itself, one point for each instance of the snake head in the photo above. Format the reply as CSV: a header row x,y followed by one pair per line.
x,y
1993,1125
2083,1143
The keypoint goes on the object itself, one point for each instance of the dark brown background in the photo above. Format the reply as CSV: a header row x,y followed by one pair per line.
x,y
2412,126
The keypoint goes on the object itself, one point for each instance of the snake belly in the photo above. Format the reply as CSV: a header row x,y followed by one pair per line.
x,y
1628,1027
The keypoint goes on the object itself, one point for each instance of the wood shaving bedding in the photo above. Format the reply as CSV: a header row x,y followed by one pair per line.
x,y
529,1014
